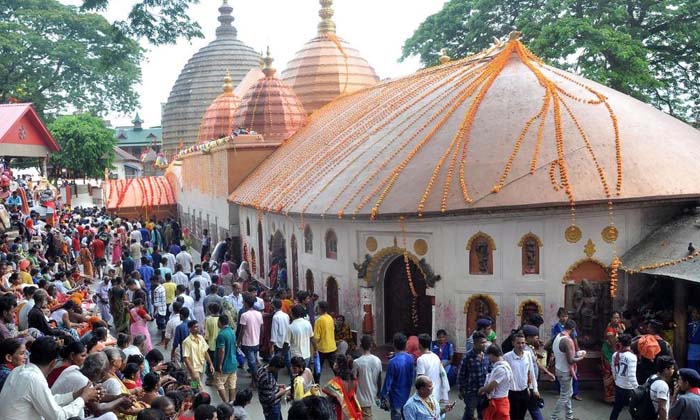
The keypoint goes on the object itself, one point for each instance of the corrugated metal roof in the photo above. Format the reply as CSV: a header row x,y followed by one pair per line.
x,y
667,243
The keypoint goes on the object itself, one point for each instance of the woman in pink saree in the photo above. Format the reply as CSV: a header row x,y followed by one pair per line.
x,y
139,322
116,249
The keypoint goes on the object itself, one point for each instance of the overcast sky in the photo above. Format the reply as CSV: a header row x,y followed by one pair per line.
x,y
377,28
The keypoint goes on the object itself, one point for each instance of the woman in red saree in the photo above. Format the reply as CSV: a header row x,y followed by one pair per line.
x,y
139,322
615,328
341,390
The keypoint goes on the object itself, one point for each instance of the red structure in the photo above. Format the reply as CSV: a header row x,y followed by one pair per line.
x,y
149,197
23,134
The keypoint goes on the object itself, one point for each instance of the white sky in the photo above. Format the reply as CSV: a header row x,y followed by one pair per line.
x,y
377,28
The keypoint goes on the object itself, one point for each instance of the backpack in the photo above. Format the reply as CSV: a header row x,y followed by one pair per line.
x,y
648,346
640,405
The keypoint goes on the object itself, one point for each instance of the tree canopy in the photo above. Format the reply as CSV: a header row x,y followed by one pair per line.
x,y
87,145
645,48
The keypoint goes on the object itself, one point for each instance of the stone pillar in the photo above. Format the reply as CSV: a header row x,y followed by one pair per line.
x,y
680,318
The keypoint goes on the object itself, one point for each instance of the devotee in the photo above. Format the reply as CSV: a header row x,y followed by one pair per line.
x,y
324,333
168,260
248,335
195,352
557,328
169,287
368,371
565,356
225,360
28,305
188,302
498,383
27,395
269,392
483,325
137,346
302,379
135,252
36,318
211,332
694,339
524,387
139,322
181,333
423,405
301,335
649,347
160,307
212,297
279,337
236,297
185,260
685,402
118,306
659,389
473,369
343,336
13,353
615,327
173,322
197,295
445,351
72,354
429,364
624,369
102,296
399,378
342,388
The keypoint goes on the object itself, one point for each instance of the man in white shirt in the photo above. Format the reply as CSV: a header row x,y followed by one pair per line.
x,y
180,278
185,260
498,383
173,322
279,336
659,390
368,371
26,394
624,370
204,281
168,260
301,335
429,364
236,298
522,365
187,300
136,235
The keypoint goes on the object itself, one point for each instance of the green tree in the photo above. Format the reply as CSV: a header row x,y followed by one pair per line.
x,y
87,145
64,60
158,21
645,48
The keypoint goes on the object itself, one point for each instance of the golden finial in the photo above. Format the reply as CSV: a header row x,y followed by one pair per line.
x,y
228,82
514,35
444,58
267,68
326,13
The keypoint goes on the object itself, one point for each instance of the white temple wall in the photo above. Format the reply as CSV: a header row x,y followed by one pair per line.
x,y
447,255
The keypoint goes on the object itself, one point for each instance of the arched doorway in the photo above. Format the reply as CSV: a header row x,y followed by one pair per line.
x,y
332,296
261,262
278,260
295,265
309,281
587,298
403,312
477,307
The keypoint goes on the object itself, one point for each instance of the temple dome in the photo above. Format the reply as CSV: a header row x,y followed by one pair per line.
x,y
497,130
270,107
327,66
199,82
217,121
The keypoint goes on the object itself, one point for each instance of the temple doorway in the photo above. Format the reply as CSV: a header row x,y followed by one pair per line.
x,y
278,261
403,312
332,296
295,265
587,298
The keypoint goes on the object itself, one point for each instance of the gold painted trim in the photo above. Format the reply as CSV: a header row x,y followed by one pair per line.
x,y
540,309
609,234
420,246
530,235
572,234
481,296
490,240
371,244
589,249
382,254
575,265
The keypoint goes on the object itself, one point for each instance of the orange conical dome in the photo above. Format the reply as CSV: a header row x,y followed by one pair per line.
x,y
217,121
270,107
327,66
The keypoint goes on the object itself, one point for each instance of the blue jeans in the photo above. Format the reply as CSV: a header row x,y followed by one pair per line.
x,y
251,355
470,402
397,414
273,412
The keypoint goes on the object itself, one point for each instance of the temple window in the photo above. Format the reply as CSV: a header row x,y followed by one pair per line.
x,y
530,247
481,247
247,226
309,281
308,240
331,245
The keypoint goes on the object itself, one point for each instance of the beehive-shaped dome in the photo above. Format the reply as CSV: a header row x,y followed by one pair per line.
x,y
270,107
199,82
327,66
217,121
498,130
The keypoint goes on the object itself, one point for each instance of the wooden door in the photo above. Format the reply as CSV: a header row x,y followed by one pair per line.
x,y
399,303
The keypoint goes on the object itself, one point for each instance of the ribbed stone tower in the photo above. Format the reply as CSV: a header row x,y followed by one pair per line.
x,y
199,82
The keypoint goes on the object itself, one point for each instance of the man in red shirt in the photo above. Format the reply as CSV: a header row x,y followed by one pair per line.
x,y
98,250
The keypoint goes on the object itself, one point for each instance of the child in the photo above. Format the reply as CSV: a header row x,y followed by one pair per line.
x,y
243,398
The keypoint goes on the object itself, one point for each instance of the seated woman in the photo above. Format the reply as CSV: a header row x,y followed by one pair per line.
x,y
139,361
98,340
62,317
302,379
445,350
72,354
13,353
113,386
343,336
341,390
151,385
130,372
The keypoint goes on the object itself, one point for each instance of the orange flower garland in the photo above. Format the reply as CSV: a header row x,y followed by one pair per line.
x,y
406,261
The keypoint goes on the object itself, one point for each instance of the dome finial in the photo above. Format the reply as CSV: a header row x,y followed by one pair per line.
x,y
326,13
267,68
226,27
444,58
228,82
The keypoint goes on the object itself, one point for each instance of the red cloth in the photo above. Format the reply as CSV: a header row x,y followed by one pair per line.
x,y
141,312
98,248
51,379
76,244
498,409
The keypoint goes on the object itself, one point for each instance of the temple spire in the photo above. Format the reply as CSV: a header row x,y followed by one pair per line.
x,y
228,82
226,20
326,13
267,68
